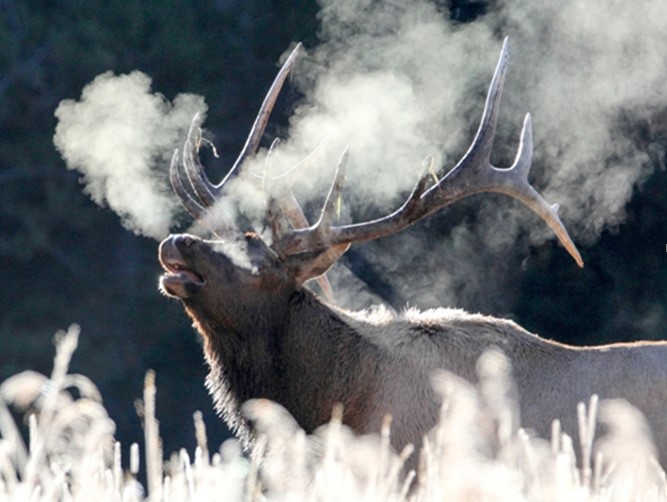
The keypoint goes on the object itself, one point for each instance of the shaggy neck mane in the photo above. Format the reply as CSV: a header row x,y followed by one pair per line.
x,y
276,361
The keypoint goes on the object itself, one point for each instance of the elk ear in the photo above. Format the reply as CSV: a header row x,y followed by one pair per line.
x,y
308,266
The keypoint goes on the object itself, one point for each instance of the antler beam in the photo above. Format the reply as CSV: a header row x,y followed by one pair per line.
x,y
473,174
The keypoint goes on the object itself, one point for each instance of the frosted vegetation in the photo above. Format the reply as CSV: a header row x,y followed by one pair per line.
x,y
477,452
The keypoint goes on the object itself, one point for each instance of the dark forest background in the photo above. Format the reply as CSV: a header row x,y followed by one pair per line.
x,y
63,259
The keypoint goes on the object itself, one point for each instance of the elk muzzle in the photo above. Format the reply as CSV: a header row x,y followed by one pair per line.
x,y
180,279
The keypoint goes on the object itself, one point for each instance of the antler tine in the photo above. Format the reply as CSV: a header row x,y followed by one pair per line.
x,y
206,191
480,148
201,194
290,208
189,203
216,220
472,174
295,214
203,188
518,187
286,207
258,127
329,208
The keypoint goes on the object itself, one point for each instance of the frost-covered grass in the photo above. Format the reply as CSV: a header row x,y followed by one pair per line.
x,y
476,452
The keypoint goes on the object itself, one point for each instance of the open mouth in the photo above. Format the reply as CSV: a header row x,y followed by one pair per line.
x,y
179,279
179,268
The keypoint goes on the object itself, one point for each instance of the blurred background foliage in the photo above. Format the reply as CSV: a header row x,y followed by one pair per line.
x,y
63,259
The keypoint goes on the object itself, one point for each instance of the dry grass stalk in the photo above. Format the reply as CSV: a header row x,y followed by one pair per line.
x,y
477,452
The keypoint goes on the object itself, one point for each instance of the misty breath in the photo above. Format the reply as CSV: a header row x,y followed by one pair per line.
x,y
396,83
120,137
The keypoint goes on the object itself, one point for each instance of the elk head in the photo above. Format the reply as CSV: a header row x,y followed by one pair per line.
x,y
216,286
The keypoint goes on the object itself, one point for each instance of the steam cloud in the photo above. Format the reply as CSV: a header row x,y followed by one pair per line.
x,y
399,81
120,136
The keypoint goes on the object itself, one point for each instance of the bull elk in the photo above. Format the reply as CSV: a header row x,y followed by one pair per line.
x,y
267,336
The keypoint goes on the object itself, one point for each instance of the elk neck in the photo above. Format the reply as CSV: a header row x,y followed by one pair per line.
x,y
302,355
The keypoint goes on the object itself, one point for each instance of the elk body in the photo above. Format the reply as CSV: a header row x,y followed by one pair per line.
x,y
267,336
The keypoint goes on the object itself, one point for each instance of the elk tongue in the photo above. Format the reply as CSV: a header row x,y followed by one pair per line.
x,y
185,274
177,270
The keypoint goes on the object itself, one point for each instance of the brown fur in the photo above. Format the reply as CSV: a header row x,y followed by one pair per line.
x,y
265,336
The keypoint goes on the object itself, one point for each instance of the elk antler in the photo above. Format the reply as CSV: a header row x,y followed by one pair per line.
x,y
473,174
200,194
312,249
